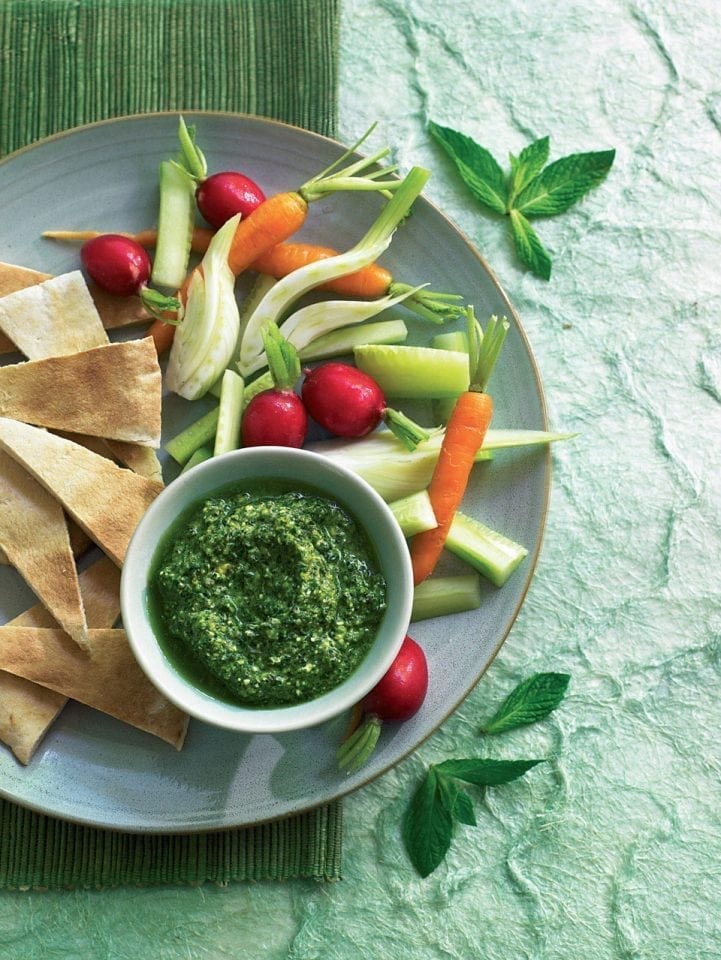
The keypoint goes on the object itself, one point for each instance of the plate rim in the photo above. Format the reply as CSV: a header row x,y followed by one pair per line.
x,y
337,794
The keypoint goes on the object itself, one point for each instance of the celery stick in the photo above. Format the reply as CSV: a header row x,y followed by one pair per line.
x,y
440,596
198,456
175,226
452,340
338,343
414,513
492,554
414,372
230,408
202,431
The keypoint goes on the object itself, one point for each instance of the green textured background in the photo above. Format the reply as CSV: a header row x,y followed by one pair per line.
x,y
613,849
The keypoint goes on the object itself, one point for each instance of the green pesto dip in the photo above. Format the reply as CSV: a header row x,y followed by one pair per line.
x,y
267,598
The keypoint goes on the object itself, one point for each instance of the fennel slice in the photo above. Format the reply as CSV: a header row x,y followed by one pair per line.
x,y
294,285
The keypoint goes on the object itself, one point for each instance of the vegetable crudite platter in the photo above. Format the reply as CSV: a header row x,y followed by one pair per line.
x,y
94,768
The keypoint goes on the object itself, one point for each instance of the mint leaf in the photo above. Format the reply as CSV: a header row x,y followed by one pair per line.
x,y
484,772
563,182
428,825
529,248
479,170
463,809
532,700
527,165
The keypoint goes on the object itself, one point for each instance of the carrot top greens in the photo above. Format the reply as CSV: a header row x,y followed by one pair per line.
x,y
483,348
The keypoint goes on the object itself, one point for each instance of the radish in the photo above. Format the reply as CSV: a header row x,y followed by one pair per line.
x,y
222,195
119,265
397,696
277,417
349,403
116,263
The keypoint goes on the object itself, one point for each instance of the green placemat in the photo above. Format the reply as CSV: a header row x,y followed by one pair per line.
x,y
69,62
42,853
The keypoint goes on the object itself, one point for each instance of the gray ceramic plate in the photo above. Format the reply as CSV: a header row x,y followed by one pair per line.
x,y
95,770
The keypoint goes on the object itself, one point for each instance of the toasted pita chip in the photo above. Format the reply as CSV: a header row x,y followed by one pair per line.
x,y
34,537
106,500
115,312
110,391
138,458
79,540
27,710
111,681
118,312
14,278
52,318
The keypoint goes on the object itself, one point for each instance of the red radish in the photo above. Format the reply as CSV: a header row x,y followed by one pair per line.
x,y
276,417
116,263
222,195
349,403
122,267
397,696
343,399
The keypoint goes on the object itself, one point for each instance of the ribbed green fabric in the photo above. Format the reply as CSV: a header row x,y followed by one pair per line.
x,y
42,853
68,62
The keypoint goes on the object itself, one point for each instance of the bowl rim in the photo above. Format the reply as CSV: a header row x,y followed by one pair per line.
x,y
194,486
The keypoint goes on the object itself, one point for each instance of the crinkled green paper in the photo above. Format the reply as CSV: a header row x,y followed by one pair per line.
x,y
611,850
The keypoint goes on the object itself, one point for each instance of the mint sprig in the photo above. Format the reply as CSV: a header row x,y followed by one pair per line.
x,y
531,189
439,803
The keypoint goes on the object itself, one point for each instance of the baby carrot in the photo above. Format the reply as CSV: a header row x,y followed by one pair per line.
x,y
464,435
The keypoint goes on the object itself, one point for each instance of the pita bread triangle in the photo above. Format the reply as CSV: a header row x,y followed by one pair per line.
x,y
79,540
115,312
34,537
112,391
27,710
106,500
135,456
111,681
51,318
13,278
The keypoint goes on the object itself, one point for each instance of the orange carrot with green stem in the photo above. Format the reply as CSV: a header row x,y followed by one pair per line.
x,y
464,435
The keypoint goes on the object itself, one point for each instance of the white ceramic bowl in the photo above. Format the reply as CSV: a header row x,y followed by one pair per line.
x,y
250,465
